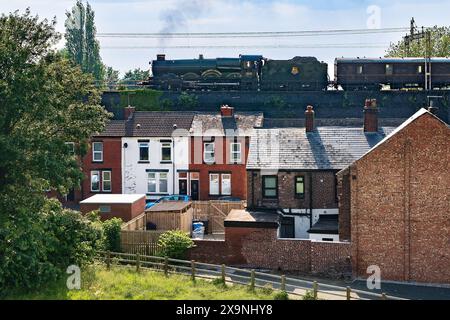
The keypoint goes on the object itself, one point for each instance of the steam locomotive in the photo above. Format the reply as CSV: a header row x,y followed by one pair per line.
x,y
256,73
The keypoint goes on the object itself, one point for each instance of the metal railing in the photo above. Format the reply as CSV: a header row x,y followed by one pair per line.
x,y
246,277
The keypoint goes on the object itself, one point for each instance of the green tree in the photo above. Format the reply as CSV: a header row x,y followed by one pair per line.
x,y
440,45
111,77
187,101
81,44
45,101
136,75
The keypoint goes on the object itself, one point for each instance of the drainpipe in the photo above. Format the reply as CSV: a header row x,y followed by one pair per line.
x,y
173,160
310,201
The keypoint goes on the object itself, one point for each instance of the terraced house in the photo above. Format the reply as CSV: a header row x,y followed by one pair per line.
x,y
291,172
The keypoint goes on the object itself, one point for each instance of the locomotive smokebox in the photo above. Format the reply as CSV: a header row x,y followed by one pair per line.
x,y
160,57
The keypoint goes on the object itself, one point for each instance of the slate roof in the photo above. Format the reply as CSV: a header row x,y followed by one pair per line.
x,y
157,124
213,124
327,148
327,224
114,128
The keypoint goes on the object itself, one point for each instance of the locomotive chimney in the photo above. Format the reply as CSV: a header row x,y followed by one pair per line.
x,y
161,57
200,56
128,112
431,108
371,116
226,111
309,119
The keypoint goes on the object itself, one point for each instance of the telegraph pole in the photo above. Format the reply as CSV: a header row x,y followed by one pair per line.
x,y
424,34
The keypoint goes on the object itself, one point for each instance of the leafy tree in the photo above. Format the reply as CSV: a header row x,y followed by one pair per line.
x,y
136,75
111,77
440,45
45,101
82,46
188,101
111,234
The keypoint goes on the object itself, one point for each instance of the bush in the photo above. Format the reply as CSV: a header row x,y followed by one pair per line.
x,y
174,244
281,295
267,289
111,234
309,295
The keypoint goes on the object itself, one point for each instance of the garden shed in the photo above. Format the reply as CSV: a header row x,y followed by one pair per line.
x,y
170,215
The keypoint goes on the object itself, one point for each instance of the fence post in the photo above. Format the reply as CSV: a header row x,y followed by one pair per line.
x,y
349,291
166,266
383,296
193,270
108,260
283,283
315,289
223,274
252,280
138,262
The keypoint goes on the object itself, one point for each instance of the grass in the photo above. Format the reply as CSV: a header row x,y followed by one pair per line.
x,y
124,283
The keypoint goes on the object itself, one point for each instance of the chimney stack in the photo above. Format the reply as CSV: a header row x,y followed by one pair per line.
x,y
161,57
226,111
371,116
128,112
309,119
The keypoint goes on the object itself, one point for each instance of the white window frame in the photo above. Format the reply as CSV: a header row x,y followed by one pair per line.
x,y
143,145
233,153
103,181
166,179
210,153
97,152
155,179
223,175
97,173
166,145
210,184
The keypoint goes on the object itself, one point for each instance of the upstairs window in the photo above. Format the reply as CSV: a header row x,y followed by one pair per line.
x,y
143,151
97,151
270,189
300,187
235,153
166,151
208,153
389,69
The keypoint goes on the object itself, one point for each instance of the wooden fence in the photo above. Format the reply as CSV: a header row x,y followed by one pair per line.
x,y
141,241
171,220
215,212
138,223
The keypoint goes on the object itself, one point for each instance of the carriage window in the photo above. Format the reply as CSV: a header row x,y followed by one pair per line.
x,y
389,69
248,63
419,69
359,69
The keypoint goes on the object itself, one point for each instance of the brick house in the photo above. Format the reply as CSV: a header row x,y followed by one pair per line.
x,y
102,164
395,203
218,157
291,171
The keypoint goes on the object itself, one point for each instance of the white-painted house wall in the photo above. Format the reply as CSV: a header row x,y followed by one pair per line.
x,y
134,174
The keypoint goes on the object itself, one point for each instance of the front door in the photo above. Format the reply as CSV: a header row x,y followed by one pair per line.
x,y
182,186
194,190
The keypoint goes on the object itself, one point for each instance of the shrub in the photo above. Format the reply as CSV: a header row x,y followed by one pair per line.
x,y
281,295
267,289
309,295
219,282
111,234
174,244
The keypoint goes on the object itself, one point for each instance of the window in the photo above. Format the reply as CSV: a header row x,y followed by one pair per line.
x,y
359,69
270,187
70,148
214,184
104,209
95,181
143,151
419,69
97,151
300,187
208,155
151,182
166,151
106,181
226,184
163,182
389,69
235,152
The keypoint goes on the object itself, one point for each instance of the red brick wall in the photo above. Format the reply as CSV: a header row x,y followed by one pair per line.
x,y
124,211
112,160
400,205
260,248
238,171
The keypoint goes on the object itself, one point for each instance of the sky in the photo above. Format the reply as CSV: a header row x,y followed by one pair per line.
x,y
155,16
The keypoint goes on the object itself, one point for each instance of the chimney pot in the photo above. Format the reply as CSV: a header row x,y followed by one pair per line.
x,y
309,119
161,57
128,112
371,116
226,111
